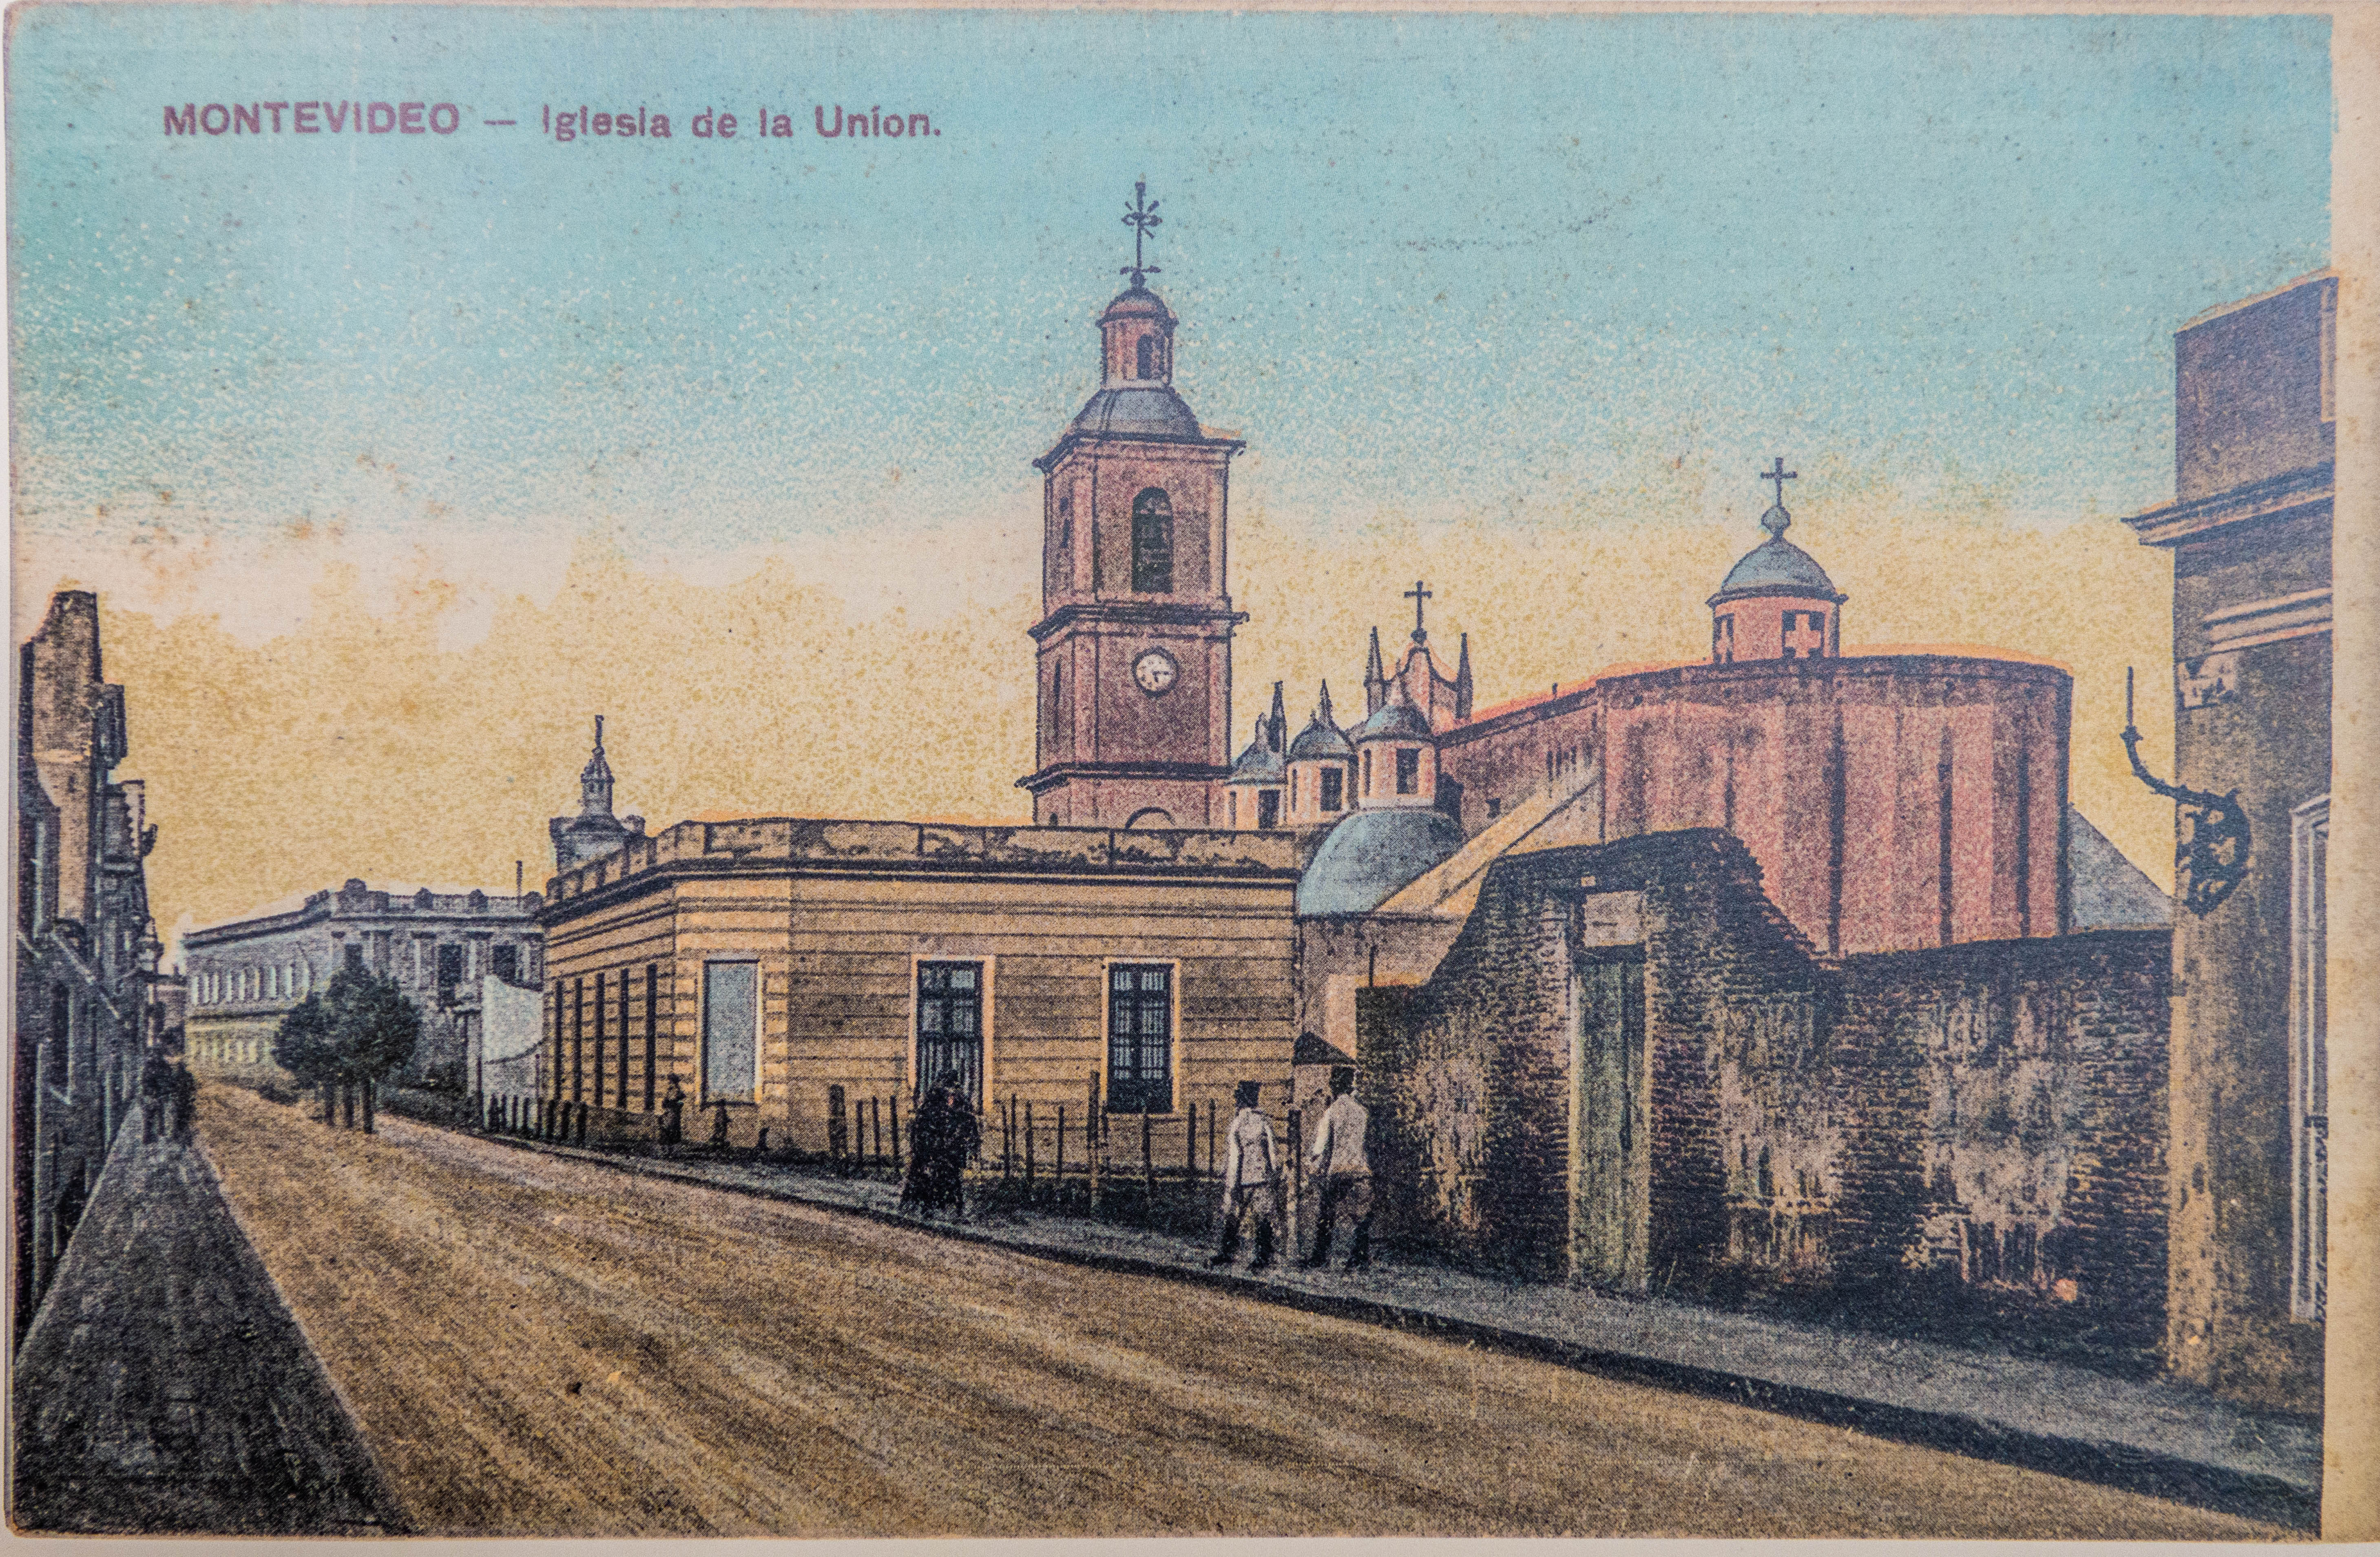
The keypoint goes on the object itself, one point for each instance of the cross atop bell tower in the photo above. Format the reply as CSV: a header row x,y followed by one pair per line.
x,y
1142,219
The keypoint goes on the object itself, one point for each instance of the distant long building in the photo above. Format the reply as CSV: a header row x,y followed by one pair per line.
x,y
245,975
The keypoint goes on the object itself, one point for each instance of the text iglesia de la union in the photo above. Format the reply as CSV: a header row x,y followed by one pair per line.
x,y
1788,978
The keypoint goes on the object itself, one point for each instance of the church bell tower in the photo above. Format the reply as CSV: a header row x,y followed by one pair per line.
x,y
1133,663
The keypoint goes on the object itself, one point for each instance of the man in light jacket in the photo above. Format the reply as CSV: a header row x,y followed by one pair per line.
x,y
1251,1172
1345,1173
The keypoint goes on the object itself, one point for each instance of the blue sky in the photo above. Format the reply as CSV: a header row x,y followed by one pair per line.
x,y
1456,266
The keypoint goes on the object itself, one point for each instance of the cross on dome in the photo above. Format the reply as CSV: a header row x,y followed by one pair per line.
x,y
1776,519
1418,594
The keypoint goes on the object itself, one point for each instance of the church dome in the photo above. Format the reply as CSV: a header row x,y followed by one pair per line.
x,y
1777,567
1138,302
1397,720
1371,855
1319,741
1144,408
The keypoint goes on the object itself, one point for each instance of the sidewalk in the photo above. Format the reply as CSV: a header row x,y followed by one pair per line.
x,y
164,1387
2159,1437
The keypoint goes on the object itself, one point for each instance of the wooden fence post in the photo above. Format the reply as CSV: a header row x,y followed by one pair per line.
x,y
838,1131
1147,1162
1029,1151
1091,1154
1057,1168
875,1132
895,1100
1296,1178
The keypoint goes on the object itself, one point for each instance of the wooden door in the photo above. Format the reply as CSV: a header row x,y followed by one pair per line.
x,y
1611,1094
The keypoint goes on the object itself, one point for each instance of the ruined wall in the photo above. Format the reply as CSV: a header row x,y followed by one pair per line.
x,y
1467,1081
1986,1118
2015,1136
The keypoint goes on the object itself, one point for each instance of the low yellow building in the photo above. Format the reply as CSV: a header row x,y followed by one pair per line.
x,y
763,962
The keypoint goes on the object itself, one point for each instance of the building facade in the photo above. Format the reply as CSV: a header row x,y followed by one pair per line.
x,y
90,1000
245,975
2249,531
774,966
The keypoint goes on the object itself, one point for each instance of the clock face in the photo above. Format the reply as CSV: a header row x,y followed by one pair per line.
x,y
1155,671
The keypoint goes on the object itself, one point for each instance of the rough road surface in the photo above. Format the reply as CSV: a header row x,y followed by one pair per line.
x,y
532,1347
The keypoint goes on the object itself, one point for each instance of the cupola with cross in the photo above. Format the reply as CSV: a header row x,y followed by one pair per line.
x,y
1133,668
1776,602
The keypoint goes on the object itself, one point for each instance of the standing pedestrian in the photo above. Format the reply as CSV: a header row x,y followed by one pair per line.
x,y
962,1134
926,1127
1251,1173
942,1135
1345,1173
673,1114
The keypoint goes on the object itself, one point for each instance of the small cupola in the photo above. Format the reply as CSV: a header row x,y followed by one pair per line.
x,y
1260,780
1776,603
1396,755
1320,764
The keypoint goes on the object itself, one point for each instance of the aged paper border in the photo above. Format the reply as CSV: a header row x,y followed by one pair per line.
x,y
2351,1420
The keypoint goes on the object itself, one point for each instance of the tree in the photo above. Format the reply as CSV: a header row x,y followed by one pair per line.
x,y
377,1030
305,1045
350,1035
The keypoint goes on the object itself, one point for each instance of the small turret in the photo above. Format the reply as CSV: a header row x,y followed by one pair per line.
x,y
1396,756
594,831
1376,678
1320,766
1254,792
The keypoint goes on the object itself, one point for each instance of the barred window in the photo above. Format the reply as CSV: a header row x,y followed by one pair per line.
x,y
950,1024
1140,1039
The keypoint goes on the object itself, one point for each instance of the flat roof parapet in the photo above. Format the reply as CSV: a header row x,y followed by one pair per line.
x,y
821,844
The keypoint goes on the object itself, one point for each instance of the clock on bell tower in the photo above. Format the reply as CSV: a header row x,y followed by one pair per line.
x,y
1133,663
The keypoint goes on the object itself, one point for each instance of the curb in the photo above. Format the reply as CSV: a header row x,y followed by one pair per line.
x,y
2123,1466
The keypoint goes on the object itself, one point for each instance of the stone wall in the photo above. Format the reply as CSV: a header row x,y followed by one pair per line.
x,y
1986,1117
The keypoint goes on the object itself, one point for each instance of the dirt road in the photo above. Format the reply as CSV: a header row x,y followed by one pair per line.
x,y
535,1347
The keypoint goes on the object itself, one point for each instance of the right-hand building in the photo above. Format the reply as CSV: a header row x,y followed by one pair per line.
x,y
2250,533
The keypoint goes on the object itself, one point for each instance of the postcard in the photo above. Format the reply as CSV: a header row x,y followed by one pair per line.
x,y
981,772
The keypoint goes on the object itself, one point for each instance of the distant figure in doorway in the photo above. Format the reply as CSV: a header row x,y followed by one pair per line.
x,y
673,1114
1344,1173
719,1124
942,1136
1251,1173
156,1089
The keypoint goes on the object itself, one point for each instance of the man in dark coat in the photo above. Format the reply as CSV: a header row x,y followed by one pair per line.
x,y
942,1136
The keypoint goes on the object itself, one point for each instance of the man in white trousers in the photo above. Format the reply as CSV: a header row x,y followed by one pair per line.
x,y
1345,1173
1251,1176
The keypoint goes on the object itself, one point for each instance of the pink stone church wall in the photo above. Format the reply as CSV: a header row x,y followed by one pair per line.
x,y
1832,773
